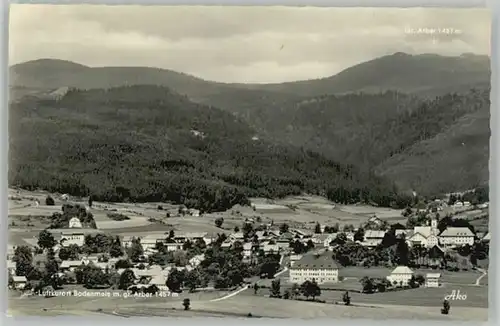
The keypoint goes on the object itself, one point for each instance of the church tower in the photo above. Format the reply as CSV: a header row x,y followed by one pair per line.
x,y
434,225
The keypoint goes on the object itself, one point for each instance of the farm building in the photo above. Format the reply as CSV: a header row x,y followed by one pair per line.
x,y
401,275
432,280
321,268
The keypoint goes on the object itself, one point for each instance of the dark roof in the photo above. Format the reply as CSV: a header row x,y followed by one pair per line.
x,y
311,261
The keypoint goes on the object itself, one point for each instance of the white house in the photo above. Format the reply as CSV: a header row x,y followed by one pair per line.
x,y
247,249
72,238
268,247
456,236
75,223
194,212
196,260
191,236
425,236
487,237
350,236
294,259
432,280
172,246
483,205
237,236
19,282
160,281
373,238
11,267
70,265
401,275
322,268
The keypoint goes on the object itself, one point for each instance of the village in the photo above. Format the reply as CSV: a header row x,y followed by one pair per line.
x,y
261,257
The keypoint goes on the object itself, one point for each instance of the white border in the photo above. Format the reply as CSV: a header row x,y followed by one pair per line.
x,y
494,150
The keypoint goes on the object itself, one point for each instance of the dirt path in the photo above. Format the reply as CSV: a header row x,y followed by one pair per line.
x,y
485,272
230,294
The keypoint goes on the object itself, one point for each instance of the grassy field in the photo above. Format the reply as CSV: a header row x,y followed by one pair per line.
x,y
269,307
91,303
477,296
307,210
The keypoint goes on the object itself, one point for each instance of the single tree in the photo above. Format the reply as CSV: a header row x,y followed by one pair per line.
x,y
126,279
49,201
186,303
275,289
46,240
446,307
219,221
284,228
136,250
90,201
346,298
116,248
236,229
317,228
286,294
23,257
255,288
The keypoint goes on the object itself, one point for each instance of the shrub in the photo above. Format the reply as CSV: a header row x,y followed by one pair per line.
x,y
118,216
49,201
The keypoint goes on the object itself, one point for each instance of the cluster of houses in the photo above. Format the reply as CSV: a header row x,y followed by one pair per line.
x,y
319,267
425,236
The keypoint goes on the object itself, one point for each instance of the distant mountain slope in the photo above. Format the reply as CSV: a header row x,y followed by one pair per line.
x,y
456,158
398,72
147,143
53,74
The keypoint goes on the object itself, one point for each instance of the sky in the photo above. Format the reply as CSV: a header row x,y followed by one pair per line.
x,y
240,44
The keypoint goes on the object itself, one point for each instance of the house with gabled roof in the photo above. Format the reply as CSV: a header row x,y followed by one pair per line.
x,y
456,236
19,282
400,276
319,267
432,280
236,236
487,237
425,236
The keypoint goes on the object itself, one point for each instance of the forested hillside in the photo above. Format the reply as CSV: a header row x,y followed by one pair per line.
x,y
376,115
454,159
147,143
385,129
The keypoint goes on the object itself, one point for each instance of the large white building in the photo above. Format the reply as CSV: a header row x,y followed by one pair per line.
x,y
456,236
72,238
400,276
321,268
